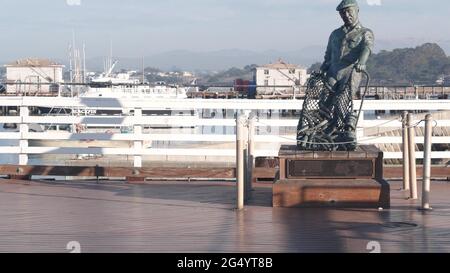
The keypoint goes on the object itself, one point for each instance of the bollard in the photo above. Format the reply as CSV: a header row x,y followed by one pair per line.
x,y
240,123
426,185
412,157
405,150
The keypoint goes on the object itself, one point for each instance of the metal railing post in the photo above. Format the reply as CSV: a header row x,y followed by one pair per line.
x,y
138,144
412,157
405,150
426,185
246,157
251,149
240,124
23,142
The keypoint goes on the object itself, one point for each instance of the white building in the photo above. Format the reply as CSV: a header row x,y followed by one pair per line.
x,y
39,76
279,77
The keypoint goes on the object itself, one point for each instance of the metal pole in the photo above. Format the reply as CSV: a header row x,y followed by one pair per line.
x,y
246,161
143,70
426,185
24,128
138,145
251,149
240,123
405,152
412,157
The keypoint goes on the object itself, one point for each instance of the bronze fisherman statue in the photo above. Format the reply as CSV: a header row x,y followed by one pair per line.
x,y
328,120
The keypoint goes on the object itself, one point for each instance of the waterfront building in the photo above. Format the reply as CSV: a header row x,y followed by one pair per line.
x,y
32,75
279,77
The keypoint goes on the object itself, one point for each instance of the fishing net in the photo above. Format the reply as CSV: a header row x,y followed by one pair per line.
x,y
327,121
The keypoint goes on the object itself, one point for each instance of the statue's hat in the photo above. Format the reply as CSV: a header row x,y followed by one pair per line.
x,y
346,4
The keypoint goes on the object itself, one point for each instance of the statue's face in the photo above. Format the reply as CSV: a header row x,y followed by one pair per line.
x,y
349,15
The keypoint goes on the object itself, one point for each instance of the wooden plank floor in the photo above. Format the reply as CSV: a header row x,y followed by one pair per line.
x,y
199,217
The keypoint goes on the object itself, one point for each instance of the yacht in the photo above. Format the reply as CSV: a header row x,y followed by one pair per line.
x,y
121,85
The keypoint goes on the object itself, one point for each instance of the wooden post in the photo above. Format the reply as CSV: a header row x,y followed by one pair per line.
x,y
138,145
23,142
412,157
240,124
426,185
405,150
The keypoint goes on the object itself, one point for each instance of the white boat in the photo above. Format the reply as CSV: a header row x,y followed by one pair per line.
x,y
121,85
115,89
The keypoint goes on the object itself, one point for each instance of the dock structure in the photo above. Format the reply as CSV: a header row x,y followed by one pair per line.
x,y
127,186
280,92
298,92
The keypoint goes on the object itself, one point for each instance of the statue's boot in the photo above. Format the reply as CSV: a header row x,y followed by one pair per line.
x,y
349,134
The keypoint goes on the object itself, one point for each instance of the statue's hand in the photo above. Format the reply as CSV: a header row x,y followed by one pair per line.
x,y
361,68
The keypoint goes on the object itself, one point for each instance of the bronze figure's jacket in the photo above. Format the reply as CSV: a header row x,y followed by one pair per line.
x,y
343,52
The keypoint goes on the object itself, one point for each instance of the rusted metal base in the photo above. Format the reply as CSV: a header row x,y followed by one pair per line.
x,y
20,177
355,193
331,179
135,180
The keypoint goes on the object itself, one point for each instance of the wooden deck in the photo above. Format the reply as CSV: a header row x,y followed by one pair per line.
x,y
43,216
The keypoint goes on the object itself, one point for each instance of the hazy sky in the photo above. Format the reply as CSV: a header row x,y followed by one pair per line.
x,y
143,27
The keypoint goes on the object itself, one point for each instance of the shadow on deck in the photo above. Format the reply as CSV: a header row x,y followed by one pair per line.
x,y
42,216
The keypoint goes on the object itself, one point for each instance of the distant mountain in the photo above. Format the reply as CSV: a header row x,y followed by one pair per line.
x,y
221,60
212,60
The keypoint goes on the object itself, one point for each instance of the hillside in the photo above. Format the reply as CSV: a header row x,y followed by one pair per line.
x,y
227,77
421,65
407,66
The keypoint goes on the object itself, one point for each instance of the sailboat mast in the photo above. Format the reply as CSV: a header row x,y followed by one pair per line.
x,y
143,70
84,63
74,56
70,63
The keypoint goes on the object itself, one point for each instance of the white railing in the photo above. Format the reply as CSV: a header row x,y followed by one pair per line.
x,y
139,122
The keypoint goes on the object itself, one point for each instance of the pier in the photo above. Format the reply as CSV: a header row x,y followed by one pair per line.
x,y
43,216
139,182
298,92
429,92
